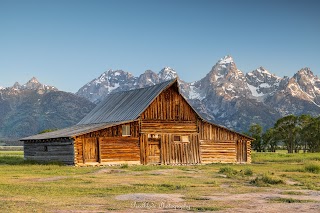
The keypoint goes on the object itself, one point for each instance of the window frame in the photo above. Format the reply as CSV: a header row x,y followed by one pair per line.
x,y
126,130
182,139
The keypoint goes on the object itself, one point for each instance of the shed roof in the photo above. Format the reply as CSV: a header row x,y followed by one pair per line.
x,y
72,131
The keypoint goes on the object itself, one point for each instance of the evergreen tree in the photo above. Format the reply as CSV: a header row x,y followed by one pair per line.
x,y
255,131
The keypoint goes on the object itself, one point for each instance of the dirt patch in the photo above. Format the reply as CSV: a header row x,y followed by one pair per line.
x,y
291,182
164,172
140,197
109,171
262,202
49,179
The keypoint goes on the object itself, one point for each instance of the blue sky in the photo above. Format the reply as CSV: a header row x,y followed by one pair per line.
x,y
67,43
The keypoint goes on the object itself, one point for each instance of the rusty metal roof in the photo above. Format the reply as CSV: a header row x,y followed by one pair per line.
x,y
123,106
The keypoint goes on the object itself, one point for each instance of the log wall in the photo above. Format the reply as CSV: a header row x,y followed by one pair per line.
x,y
111,146
221,145
50,151
124,150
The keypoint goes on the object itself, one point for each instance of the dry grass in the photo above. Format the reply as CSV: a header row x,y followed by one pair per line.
x,y
31,187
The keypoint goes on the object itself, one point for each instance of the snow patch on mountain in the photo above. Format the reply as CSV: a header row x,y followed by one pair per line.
x,y
226,95
194,93
167,73
226,60
255,91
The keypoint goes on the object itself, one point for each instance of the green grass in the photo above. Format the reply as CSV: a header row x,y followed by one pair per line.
x,y
288,200
266,180
228,171
313,168
27,186
284,157
205,208
292,193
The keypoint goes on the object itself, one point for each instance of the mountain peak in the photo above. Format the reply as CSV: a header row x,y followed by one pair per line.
x,y
305,71
34,84
167,73
16,85
34,80
226,60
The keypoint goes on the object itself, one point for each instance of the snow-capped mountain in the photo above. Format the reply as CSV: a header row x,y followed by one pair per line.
x,y
118,80
167,73
109,81
299,94
32,84
32,107
226,95
226,98
261,82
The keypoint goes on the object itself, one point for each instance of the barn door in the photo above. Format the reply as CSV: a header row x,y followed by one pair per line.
x,y
241,151
154,151
91,150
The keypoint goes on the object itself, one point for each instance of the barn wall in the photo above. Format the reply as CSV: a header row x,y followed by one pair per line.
x,y
108,146
169,106
167,117
59,151
221,145
169,151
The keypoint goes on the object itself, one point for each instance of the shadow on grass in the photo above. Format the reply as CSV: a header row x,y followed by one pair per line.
x,y
18,160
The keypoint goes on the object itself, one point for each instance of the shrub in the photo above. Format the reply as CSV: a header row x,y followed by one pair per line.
x,y
266,180
248,172
124,166
228,171
313,168
288,200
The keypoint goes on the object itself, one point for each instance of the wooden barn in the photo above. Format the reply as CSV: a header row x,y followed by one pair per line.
x,y
153,125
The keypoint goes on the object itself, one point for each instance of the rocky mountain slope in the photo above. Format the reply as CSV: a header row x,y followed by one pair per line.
x,y
226,95
119,80
30,108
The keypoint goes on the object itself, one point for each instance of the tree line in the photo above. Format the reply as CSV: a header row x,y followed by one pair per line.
x,y
291,132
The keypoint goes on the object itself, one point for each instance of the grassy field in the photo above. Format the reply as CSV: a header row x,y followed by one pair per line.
x,y
29,187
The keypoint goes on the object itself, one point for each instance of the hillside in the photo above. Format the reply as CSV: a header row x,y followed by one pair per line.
x,y
30,108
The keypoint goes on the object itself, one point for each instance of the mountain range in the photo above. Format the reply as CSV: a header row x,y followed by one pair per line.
x,y
226,96
33,107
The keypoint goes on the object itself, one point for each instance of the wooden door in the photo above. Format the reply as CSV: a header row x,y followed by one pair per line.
x,y
241,151
154,151
91,150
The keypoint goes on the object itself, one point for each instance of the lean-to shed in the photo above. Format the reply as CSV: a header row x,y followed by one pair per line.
x,y
152,125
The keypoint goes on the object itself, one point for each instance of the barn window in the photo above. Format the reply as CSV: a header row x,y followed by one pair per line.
x,y
153,136
177,138
126,130
181,138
